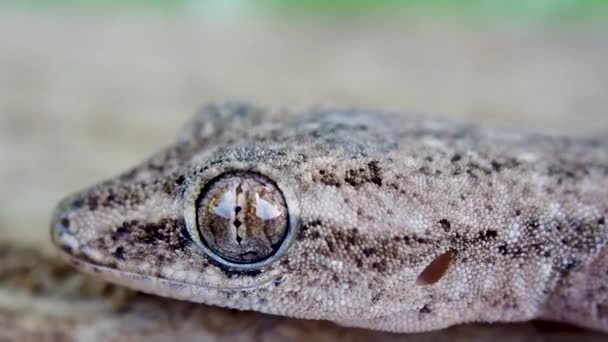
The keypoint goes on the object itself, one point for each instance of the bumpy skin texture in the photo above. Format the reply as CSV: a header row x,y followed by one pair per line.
x,y
373,199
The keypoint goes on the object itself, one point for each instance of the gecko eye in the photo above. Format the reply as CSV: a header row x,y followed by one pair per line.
x,y
242,217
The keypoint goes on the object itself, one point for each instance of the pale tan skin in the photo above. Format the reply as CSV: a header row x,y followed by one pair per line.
x,y
515,221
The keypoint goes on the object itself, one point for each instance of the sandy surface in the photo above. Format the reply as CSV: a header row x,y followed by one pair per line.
x,y
82,98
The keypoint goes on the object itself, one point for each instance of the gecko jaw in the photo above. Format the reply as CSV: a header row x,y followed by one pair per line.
x,y
144,282
65,236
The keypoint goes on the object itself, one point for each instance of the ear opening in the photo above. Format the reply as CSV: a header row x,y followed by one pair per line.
x,y
434,271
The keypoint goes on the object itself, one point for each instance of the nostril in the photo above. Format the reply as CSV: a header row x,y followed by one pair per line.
x,y
64,222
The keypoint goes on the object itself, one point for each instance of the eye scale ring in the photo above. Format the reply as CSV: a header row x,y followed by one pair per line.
x,y
242,217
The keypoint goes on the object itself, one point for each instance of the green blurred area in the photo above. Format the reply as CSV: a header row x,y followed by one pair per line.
x,y
535,9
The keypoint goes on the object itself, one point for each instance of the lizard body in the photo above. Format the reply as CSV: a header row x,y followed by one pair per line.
x,y
391,222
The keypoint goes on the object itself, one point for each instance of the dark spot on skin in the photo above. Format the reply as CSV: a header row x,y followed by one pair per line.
x,y
456,158
425,310
354,178
327,178
396,238
347,238
425,170
335,278
510,250
360,176
308,231
375,171
331,246
601,221
119,253
123,229
491,234
368,251
568,266
496,166
516,252
518,212
376,297
314,235
421,240
532,223
379,266
166,231
445,224
540,250
111,197
180,180
473,167
93,202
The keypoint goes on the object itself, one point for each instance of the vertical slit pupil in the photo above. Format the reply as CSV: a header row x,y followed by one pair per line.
x,y
231,212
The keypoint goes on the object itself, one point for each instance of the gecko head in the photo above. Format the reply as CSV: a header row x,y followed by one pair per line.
x,y
200,236
253,226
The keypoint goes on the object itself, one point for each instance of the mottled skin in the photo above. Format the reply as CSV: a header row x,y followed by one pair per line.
x,y
373,198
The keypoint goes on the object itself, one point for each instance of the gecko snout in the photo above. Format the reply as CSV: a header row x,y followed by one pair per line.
x,y
62,233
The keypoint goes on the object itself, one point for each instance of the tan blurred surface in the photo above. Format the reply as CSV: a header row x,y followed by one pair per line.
x,y
82,98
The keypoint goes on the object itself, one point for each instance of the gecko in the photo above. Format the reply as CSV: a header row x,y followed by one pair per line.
x,y
395,222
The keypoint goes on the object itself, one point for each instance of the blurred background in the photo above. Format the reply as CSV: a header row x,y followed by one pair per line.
x,y
90,87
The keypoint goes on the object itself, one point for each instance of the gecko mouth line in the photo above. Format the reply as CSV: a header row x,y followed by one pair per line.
x,y
124,276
